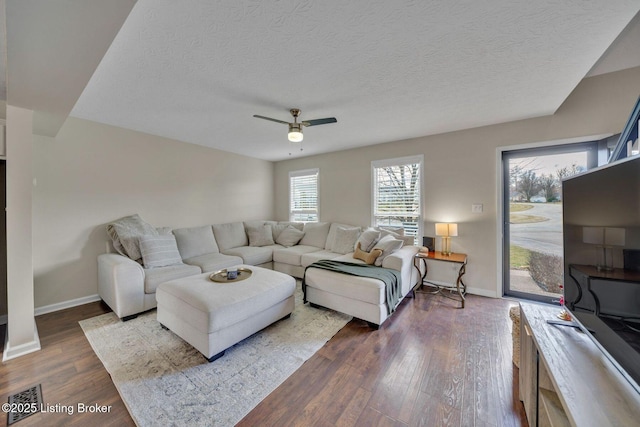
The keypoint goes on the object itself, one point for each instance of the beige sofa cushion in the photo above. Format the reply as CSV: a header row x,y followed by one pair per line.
x,y
315,234
254,255
214,261
230,235
293,254
155,276
195,241
311,257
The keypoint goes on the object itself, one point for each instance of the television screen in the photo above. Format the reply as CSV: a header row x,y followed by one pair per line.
x,y
601,226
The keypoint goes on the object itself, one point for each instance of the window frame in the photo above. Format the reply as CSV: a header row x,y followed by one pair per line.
x,y
298,174
400,161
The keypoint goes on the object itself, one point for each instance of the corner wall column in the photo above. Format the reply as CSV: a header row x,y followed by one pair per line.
x,y
22,334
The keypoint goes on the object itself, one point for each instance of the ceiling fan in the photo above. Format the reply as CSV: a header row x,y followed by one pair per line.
x,y
295,128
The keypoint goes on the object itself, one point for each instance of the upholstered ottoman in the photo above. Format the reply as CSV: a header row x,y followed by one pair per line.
x,y
213,316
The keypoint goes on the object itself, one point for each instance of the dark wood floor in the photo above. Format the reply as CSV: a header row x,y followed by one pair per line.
x,y
431,364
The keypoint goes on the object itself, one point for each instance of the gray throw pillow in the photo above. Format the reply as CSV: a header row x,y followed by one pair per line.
x,y
126,232
260,235
389,245
368,239
290,236
344,240
159,251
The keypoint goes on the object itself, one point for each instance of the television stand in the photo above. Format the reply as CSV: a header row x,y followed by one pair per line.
x,y
565,379
567,323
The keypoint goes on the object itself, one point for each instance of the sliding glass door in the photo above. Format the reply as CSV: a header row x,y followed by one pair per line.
x,y
532,264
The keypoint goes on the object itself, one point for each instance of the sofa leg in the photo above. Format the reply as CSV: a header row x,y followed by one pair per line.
x,y
315,305
373,326
127,318
216,356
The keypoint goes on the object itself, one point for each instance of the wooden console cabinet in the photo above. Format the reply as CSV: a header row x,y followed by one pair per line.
x,y
566,380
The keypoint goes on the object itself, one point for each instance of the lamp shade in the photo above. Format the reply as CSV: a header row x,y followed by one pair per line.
x,y
608,236
614,236
593,235
446,229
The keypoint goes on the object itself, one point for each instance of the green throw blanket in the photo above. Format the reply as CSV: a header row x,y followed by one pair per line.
x,y
390,278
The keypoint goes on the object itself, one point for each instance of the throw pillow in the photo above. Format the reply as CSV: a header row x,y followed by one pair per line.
x,y
388,245
125,233
367,257
260,236
159,251
344,240
368,239
290,236
277,229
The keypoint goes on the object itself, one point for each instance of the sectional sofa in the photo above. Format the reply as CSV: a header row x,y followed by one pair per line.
x,y
145,256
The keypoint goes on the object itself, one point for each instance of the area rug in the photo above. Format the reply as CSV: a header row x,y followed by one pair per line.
x,y
164,381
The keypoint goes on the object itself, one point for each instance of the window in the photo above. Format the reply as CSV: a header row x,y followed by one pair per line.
x,y
303,195
397,197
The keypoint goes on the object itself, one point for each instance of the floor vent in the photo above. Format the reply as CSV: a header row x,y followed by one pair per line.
x,y
23,404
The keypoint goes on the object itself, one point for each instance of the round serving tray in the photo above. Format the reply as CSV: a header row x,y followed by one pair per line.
x,y
221,275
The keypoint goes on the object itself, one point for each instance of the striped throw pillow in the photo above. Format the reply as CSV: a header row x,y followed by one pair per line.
x,y
159,251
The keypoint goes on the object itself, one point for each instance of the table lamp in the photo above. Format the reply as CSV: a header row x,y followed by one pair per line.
x,y
446,231
604,238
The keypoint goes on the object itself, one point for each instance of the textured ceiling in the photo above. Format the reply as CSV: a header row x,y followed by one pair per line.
x,y
197,70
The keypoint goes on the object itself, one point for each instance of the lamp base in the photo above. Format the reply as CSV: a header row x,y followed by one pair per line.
x,y
446,246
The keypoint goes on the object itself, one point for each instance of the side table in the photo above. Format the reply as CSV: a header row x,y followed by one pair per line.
x,y
420,263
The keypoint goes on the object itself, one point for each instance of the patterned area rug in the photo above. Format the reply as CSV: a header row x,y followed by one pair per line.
x,y
164,381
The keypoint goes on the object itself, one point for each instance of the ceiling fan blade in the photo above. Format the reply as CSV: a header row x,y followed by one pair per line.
x,y
269,118
319,121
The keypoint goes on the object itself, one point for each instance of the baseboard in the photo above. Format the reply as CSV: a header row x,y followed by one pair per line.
x,y
482,292
66,304
22,349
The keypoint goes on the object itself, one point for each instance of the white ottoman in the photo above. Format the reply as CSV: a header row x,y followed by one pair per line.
x,y
213,316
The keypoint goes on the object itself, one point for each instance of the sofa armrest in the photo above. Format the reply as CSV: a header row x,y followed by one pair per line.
x,y
121,284
402,261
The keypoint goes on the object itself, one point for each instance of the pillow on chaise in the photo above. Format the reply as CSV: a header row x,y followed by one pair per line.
x,y
367,257
260,235
290,236
345,239
389,245
159,251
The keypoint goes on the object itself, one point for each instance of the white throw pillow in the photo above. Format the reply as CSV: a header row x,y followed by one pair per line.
x,y
368,239
260,235
290,236
344,241
388,244
159,251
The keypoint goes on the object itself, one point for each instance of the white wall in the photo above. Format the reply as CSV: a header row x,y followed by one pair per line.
x,y
91,174
461,169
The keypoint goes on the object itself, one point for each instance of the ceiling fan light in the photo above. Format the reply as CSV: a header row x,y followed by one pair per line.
x,y
295,132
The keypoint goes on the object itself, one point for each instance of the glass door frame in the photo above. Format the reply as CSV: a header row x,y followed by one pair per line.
x,y
593,148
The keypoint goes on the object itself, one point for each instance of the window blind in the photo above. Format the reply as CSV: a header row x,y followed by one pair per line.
x,y
396,194
303,196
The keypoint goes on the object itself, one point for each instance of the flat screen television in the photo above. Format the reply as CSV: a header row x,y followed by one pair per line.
x,y
601,226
